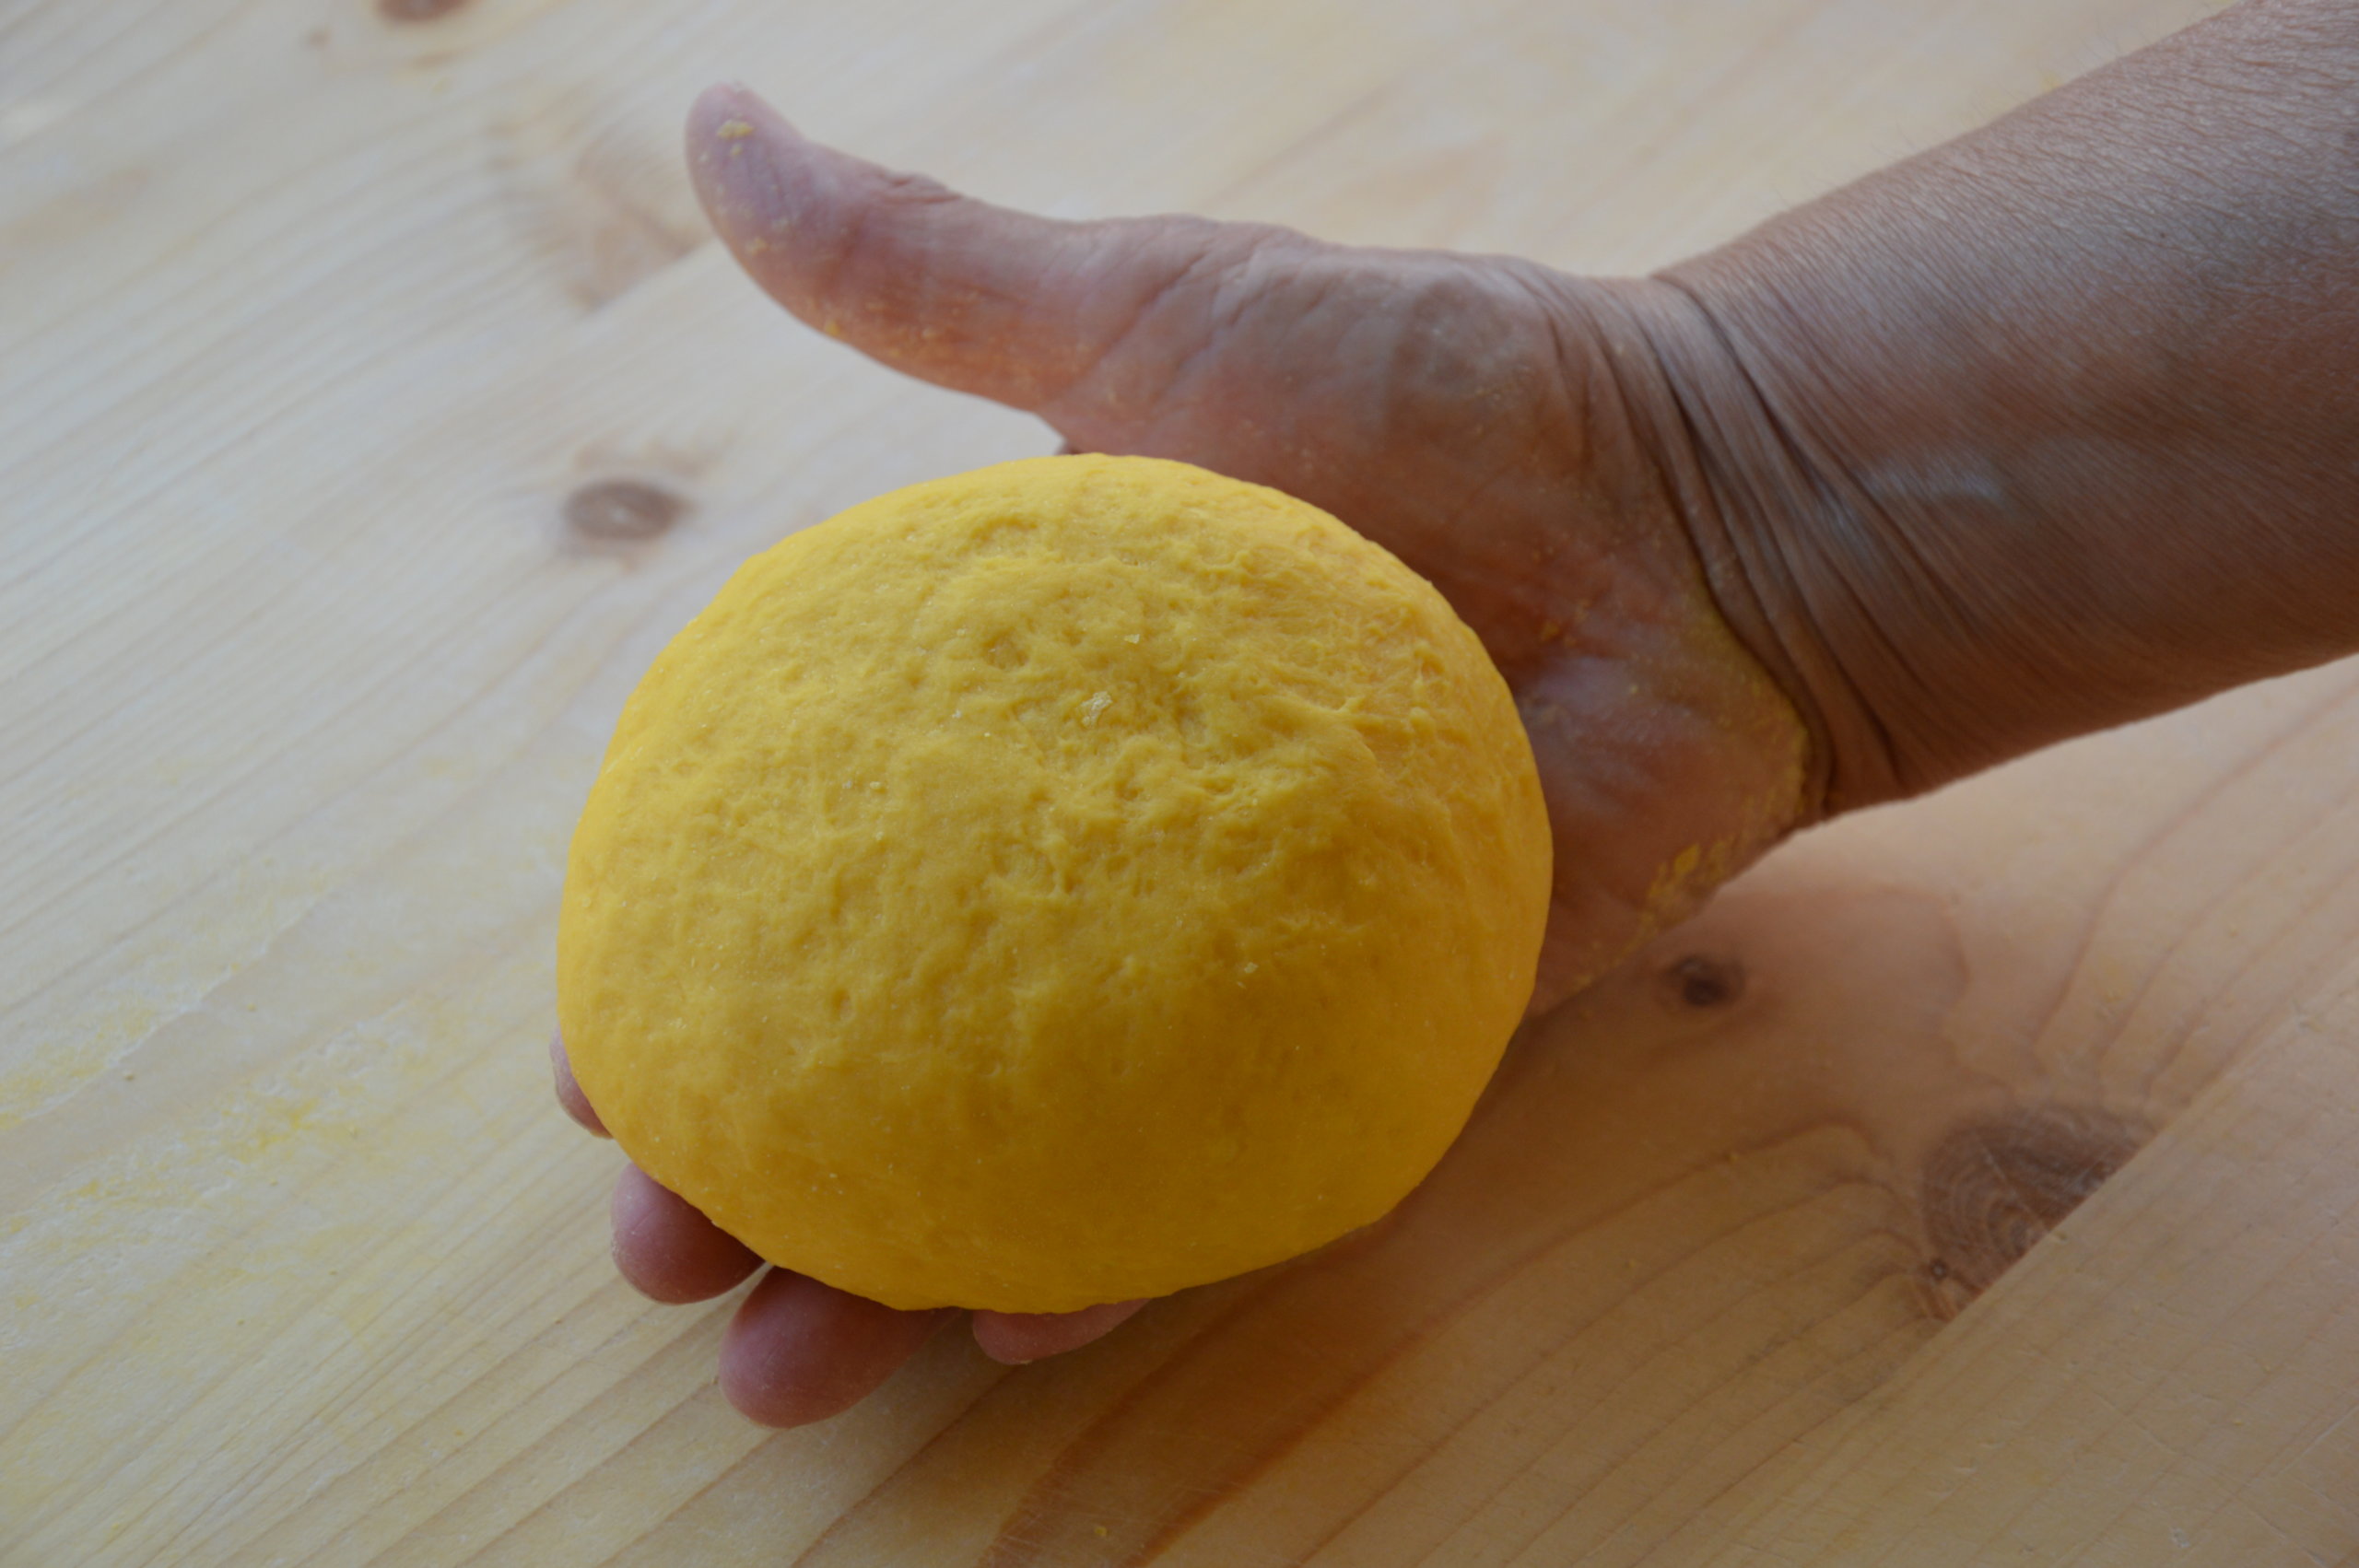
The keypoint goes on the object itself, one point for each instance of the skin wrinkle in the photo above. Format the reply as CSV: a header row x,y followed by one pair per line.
x,y
1243,289
1733,475
2133,397
1224,262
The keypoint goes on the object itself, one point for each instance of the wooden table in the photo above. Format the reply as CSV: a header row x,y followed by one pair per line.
x,y
319,318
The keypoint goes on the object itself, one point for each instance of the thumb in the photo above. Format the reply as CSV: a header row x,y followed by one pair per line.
x,y
969,296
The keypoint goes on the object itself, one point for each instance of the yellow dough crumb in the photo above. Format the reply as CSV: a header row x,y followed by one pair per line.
x,y
1067,882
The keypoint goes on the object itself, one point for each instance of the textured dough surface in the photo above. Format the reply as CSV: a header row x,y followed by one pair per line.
x,y
1067,882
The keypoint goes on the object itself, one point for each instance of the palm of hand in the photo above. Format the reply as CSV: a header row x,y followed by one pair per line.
x,y
1463,411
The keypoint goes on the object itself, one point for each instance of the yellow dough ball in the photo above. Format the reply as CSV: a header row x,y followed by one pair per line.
x,y
1067,882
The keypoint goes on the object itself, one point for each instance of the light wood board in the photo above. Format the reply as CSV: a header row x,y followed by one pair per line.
x,y
313,317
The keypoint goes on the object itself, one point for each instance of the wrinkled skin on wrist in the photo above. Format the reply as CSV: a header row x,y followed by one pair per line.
x,y
2050,427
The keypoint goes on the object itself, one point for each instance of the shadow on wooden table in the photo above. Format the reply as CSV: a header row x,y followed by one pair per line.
x,y
1710,1203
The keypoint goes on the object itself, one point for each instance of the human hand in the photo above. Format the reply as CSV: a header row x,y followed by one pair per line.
x,y
1466,413
1470,414
798,1351
2039,432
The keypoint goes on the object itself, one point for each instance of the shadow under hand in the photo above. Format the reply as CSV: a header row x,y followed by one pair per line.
x,y
1701,1209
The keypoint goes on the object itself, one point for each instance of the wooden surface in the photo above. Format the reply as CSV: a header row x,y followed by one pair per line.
x,y
316,320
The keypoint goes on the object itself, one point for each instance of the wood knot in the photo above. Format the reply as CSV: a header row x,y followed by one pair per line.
x,y
1993,1186
417,10
621,512
1702,980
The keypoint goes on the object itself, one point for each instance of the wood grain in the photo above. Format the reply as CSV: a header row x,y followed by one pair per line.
x,y
1974,1183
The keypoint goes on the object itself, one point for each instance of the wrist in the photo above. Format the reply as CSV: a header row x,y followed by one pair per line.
x,y
2037,434
1765,518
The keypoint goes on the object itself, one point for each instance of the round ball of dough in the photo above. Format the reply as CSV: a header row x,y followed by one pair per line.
x,y
1067,882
